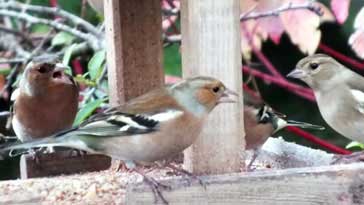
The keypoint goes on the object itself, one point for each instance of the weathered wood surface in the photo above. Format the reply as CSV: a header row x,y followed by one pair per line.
x,y
211,46
61,163
134,47
339,184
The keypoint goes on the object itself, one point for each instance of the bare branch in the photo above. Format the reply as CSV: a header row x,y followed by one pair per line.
x,y
54,11
91,39
288,7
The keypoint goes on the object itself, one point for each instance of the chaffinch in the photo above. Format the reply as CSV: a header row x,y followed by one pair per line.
x,y
154,126
261,122
46,101
339,93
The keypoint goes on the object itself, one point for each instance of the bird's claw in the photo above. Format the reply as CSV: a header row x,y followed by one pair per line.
x,y
156,188
189,174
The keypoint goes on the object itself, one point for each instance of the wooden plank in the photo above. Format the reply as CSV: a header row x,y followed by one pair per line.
x,y
211,46
340,184
134,47
60,163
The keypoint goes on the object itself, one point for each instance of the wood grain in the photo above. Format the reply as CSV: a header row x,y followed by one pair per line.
x,y
134,47
339,184
61,163
211,46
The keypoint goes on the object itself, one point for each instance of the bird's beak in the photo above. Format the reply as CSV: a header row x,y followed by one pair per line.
x,y
296,73
226,96
59,74
279,114
61,67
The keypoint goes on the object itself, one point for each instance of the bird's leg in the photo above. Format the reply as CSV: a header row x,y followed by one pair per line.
x,y
122,167
252,160
347,159
187,173
155,186
34,154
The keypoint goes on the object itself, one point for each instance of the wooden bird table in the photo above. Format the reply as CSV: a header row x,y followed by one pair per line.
x,y
210,46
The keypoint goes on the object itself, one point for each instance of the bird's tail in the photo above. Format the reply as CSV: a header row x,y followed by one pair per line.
x,y
304,125
23,147
280,123
19,148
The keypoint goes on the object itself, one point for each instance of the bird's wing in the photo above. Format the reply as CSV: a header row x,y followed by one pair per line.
x,y
140,115
125,124
356,87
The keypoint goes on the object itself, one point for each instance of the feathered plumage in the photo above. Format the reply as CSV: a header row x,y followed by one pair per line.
x,y
156,125
46,101
339,93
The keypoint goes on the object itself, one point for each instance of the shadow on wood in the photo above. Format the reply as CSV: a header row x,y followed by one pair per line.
x,y
61,163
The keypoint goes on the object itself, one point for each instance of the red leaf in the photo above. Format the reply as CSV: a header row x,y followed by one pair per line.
x,y
356,41
340,9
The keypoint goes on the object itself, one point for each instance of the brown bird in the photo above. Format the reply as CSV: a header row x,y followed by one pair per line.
x,y
154,126
46,101
261,122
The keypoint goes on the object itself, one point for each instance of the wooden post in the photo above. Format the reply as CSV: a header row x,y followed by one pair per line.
x,y
134,47
211,46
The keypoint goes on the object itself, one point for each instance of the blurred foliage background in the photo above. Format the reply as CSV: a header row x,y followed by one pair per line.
x,y
284,56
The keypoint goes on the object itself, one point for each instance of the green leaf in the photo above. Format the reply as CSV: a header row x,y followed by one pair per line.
x,y
5,71
96,64
40,28
83,80
67,57
62,38
87,110
354,144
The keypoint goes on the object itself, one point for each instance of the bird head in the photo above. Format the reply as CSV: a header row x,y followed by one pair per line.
x,y
201,94
317,70
265,114
39,76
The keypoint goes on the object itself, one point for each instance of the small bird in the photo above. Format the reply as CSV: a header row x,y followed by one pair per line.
x,y
261,122
46,101
339,93
151,127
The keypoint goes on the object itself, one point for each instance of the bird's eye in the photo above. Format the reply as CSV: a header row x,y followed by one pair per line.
x,y
42,69
216,89
314,66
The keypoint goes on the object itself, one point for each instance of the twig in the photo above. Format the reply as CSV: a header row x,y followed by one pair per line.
x,y
341,56
80,48
288,7
91,39
12,60
299,90
17,33
10,43
54,11
317,140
